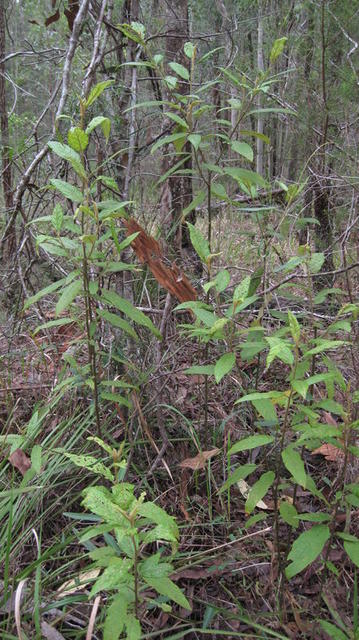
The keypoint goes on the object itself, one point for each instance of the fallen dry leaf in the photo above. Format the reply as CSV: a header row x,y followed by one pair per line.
x,y
20,461
199,461
330,452
244,488
77,584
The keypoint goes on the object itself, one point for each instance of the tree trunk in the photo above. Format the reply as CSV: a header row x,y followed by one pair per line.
x,y
10,241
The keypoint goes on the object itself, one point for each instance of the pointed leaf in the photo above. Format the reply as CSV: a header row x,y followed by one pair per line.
x,y
295,465
224,365
306,549
67,296
259,490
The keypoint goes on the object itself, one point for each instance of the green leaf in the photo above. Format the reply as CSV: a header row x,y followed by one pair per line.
x,y
352,549
325,345
67,153
154,513
116,575
68,190
240,473
250,443
293,462
259,490
36,457
104,123
201,370
222,280
306,549
278,349
97,91
176,118
180,70
258,395
68,295
199,243
129,310
51,288
294,327
277,49
249,178
189,49
224,365
133,628
288,513
115,618
91,464
316,262
166,587
333,632
57,218
77,139
243,149
218,190
195,140
118,322
167,140
197,200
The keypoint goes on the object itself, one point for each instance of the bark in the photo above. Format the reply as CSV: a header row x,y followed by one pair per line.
x,y
180,188
260,63
10,239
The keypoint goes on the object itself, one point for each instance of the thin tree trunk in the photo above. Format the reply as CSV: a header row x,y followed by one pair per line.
x,y
10,240
260,64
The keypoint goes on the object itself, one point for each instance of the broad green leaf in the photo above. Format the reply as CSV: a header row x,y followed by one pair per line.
x,y
116,575
68,295
115,397
266,409
115,618
133,628
66,152
306,549
240,473
129,310
57,217
224,365
100,502
195,140
250,443
279,349
189,49
316,262
352,549
202,370
91,464
180,70
244,175
259,490
293,462
243,149
199,243
325,345
176,118
166,587
154,513
96,91
67,190
313,517
36,457
288,513
77,139
104,123
222,280
277,49
167,140
257,395
218,190
241,291
118,322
